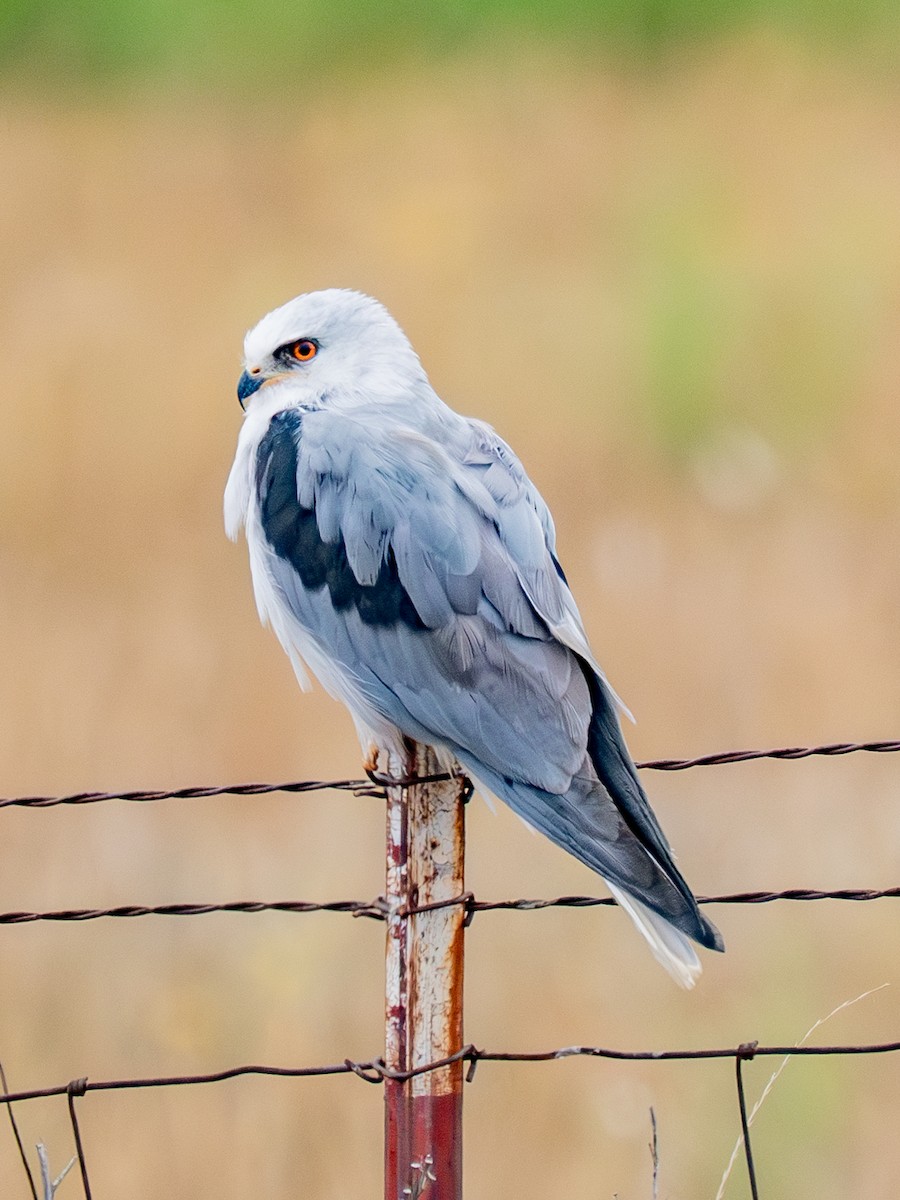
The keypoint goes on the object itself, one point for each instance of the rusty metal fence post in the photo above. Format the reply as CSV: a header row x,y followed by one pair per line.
x,y
424,981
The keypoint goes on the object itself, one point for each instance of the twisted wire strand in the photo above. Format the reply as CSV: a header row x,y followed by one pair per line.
x,y
359,787
366,788
379,910
374,1070
786,753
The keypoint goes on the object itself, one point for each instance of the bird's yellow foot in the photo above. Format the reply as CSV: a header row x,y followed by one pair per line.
x,y
370,762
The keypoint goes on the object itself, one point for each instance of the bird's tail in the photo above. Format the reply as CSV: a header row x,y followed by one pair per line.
x,y
605,820
635,864
669,945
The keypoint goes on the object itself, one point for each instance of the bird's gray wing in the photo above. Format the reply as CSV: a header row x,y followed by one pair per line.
x,y
390,553
427,573
526,530
605,818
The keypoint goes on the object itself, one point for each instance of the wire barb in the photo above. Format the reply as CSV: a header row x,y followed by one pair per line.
x,y
372,1072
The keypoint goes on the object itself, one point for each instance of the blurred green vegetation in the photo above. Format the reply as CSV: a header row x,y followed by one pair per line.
x,y
211,41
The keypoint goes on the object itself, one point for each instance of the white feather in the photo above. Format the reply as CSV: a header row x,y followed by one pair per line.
x,y
669,945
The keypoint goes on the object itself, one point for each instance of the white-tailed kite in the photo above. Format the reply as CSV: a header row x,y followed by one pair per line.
x,y
402,553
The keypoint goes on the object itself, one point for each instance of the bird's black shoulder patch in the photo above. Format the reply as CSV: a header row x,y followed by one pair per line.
x,y
293,533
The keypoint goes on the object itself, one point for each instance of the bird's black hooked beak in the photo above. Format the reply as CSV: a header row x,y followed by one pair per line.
x,y
247,385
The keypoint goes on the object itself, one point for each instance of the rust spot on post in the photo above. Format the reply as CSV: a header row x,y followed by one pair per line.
x,y
424,980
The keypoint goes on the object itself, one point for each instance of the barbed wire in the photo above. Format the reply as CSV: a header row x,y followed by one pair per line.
x,y
368,788
788,753
375,1071
359,787
379,910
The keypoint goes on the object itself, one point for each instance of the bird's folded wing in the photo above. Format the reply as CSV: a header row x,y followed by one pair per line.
x,y
410,569
428,578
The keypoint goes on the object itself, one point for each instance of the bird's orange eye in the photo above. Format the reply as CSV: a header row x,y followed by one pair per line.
x,y
304,350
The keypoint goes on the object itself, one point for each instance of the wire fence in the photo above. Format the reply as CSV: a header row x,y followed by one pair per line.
x,y
374,1070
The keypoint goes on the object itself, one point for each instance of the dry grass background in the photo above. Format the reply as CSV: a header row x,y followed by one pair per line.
x,y
676,294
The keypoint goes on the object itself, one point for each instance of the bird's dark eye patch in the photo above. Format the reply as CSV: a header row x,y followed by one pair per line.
x,y
302,350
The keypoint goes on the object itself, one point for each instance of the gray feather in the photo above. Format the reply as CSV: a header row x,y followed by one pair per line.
x,y
427,573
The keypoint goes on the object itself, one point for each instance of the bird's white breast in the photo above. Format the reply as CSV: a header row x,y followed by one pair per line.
x,y
241,509
239,488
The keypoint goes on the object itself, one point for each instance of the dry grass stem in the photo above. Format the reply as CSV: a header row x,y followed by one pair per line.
x,y
775,1074
50,1185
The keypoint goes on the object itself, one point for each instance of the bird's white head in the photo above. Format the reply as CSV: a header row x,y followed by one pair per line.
x,y
332,347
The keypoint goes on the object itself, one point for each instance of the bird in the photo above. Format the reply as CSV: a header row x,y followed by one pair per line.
x,y
400,552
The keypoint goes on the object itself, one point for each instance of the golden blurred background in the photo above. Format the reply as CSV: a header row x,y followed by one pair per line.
x,y
666,268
